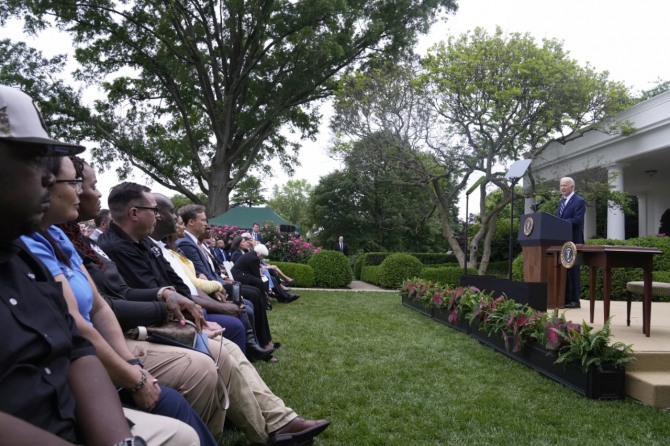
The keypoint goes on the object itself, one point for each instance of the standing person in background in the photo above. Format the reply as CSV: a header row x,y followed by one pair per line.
x,y
572,208
256,233
341,246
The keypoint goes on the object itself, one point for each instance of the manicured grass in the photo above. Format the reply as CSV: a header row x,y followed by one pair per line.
x,y
385,375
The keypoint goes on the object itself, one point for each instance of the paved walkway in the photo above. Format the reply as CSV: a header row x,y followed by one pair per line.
x,y
355,285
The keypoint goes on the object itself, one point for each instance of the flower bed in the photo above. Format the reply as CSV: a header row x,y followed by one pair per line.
x,y
575,355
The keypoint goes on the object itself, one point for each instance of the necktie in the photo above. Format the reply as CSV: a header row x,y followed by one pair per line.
x,y
341,247
561,207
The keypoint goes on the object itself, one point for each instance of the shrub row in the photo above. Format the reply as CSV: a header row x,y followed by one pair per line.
x,y
377,258
327,269
397,268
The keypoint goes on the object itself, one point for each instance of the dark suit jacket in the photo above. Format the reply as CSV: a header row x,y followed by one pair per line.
x,y
200,261
257,236
219,254
574,213
249,264
344,250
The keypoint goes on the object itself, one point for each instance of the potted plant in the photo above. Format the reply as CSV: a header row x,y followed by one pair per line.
x,y
416,294
575,355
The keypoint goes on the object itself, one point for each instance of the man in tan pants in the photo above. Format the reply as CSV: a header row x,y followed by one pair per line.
x,y
253,407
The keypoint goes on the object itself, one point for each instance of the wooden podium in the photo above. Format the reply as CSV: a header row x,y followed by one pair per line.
x,y
537,232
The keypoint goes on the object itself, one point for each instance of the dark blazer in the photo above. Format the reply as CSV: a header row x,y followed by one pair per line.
x,y
192,251
344,250
219,254
257,236
249,264
574,212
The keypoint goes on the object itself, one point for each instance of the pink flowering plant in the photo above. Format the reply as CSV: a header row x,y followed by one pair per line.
x,y
286,247
223,232
518,324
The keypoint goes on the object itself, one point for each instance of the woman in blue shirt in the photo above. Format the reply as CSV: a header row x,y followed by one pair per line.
x,y
89,309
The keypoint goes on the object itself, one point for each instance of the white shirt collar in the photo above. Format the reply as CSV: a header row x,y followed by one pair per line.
x,y
192,237
569,197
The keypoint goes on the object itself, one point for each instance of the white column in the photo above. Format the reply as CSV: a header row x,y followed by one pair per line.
x,y
615,219
642,217
590,222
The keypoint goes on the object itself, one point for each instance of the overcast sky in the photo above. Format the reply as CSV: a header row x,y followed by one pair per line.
x,y
626,38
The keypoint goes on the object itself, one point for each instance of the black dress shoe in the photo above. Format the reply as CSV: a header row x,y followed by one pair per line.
x,y
298,432
256,353
573,305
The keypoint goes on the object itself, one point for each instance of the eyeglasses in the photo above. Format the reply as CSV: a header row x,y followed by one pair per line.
x,y
155,209
76,184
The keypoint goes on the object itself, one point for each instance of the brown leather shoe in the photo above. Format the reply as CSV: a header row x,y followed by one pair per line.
x,y
297,432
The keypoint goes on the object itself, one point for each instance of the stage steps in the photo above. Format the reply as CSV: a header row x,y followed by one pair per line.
x,y
648,379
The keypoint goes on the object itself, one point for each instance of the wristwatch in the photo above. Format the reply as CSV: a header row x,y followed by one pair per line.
x,y
133,441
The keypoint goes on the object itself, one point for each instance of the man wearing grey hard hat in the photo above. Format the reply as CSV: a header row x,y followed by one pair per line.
x,y
53,388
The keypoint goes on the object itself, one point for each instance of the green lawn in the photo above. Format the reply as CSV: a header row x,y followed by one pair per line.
x,y
385,375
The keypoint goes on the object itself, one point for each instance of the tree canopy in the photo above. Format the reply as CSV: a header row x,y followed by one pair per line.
x,y
374,212
477,103
291,201
197,92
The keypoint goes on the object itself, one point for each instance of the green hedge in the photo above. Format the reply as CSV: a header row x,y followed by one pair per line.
x,y
445,275
397,268
621,276
331,269
301,272
434,259
661,261
370,274
376,258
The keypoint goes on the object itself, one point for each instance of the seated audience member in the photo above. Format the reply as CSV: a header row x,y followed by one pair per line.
x,y
92,315
260,414
240,245
216,306
101,224
55,390
190,372
247,268
219,251
196,227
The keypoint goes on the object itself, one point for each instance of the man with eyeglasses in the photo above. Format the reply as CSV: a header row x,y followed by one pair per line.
x,y
254,409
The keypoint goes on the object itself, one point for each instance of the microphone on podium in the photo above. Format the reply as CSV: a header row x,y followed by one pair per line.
x,y
534,207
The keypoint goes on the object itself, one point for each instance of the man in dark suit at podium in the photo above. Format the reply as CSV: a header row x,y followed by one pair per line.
x,y
572,208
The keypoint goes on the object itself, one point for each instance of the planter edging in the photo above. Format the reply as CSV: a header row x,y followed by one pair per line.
x,y
606,384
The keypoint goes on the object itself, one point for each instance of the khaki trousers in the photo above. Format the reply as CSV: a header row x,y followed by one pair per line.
x,y
161,431
191,373
253,407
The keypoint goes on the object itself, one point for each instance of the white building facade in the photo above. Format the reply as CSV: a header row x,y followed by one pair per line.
x,y
640,164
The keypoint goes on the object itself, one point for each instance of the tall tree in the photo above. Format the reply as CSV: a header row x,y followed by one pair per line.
x,y
249,192
291,201
494,99
197,91
364,203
